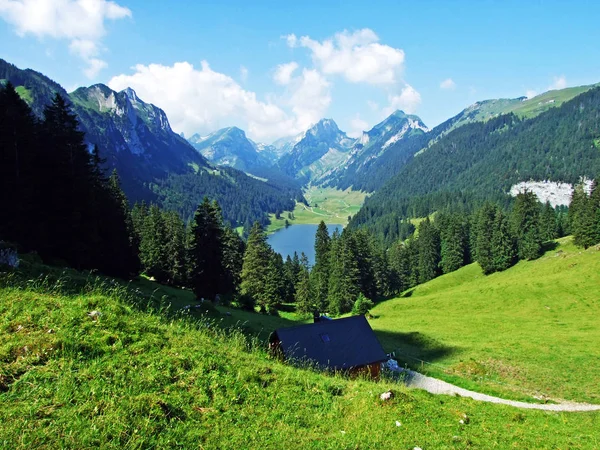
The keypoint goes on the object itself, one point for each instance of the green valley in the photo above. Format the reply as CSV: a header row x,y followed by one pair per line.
x,y
333,206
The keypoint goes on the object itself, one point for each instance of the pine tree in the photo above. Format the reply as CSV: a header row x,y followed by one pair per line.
x,y
320,271
290,280
272,295
526,225
175,249
454,243
206,251
306,303
233,257
256,260
20,173
429,251
344,279
503,244
153,255
484,231
548,223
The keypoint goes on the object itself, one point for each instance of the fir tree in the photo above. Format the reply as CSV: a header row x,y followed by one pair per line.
x,y
429,251
256,261
503,244
548,223
320,271
305,299
526,225
454,243
206,252
484,230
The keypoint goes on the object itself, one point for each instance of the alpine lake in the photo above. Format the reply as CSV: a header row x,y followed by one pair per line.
x,y
298,238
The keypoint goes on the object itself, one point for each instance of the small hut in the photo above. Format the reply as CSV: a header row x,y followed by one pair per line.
x,y
347,345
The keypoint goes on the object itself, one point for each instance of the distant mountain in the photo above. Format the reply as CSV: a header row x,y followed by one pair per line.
x,y
390,135
154,163
230,147
133,136
317,152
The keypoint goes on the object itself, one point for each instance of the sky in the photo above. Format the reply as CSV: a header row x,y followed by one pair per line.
x,y
275,68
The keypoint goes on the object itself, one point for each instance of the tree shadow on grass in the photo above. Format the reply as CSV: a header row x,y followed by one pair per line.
x,y
414,348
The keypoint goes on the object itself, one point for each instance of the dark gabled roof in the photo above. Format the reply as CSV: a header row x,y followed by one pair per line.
x,y
338,344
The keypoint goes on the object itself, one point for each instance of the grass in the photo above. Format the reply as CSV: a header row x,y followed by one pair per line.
x,y
137,378
532,330
25,94
333,206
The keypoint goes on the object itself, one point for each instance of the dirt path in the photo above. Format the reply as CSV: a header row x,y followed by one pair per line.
x,y
435,386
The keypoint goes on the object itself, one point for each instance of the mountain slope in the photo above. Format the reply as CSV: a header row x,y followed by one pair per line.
x,y
389,144
321,148
482,160
135,138
230,147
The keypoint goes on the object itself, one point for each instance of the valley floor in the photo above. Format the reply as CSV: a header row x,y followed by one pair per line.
x,y
333,206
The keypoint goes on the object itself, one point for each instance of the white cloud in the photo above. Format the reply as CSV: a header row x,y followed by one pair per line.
x,y
357,56
408,100
448,84
530,93
202,100
283,73
309,98
81,22
558,83
243,73
357,126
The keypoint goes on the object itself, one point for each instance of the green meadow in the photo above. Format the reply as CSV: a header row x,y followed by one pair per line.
x,y
333,206
531,331
136,374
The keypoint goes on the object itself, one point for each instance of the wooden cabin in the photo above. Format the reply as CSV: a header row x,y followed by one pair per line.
x,y
347,345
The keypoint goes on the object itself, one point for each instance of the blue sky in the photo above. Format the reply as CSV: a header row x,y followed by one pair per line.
x,y
273,68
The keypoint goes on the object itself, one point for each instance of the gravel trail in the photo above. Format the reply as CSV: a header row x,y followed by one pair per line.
x,y
433,385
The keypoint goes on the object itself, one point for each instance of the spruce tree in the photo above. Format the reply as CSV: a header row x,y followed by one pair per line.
x,y
429,251
503,244
206,251
526,225
453,243
484,231
256,261
548,223
233,257
320,271
306,301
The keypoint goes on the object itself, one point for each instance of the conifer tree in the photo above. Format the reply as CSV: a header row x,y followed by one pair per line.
x,y
503,244
290,280
306,302
233,257
526,225
320,271
429,251
256,261
453,243
153,244
548,223
484,230
206,251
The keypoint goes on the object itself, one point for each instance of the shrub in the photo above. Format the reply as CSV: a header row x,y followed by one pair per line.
x,y
362,305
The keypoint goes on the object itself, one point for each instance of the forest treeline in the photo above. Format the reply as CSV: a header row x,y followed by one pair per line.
x,y
479,162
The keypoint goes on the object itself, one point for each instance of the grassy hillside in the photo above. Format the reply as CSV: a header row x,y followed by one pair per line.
x,y
531,330
134,378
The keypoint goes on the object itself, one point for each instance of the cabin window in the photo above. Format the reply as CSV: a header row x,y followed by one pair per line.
x,y
324,337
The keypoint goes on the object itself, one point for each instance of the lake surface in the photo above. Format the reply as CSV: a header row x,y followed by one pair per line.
x,y
298,238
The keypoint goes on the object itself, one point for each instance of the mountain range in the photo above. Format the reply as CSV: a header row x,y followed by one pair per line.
x,y
480,152
154,163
